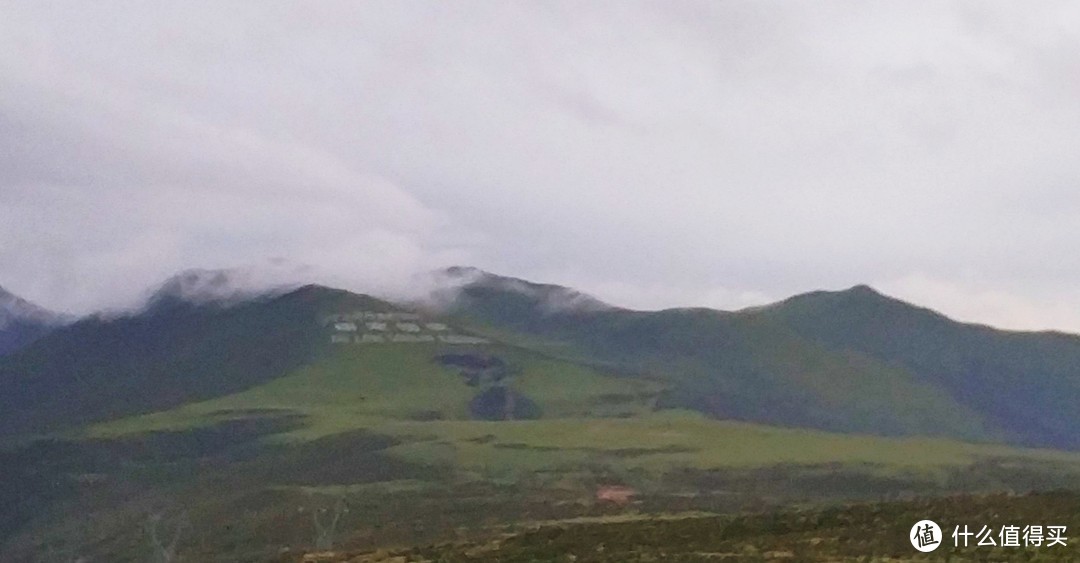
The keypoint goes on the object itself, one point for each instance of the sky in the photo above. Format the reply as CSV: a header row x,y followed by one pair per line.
x,y
723,154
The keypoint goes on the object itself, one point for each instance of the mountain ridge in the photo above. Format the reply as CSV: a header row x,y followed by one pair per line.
x,y
852,361
99,368
469,276
22,322
277,407
215,287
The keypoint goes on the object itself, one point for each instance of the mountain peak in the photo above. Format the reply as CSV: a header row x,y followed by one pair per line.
x,y
16,309
328,299
214,287
549,298
464,272
857,302
22,322
858,293
862,290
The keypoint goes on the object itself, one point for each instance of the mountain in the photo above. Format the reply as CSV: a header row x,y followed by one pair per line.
x,y
238,422
852,361
22,322
512,296
849,361
1025,385
174,352
222,287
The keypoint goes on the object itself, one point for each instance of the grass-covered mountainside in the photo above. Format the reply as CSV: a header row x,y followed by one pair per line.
x,y
272,426
172,353
848,361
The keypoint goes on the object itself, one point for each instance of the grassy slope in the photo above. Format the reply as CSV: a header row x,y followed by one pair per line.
x,y
675,439
595,428
736,366
833,390
366,436
1025,384
589,419
354,387
848,361
170,355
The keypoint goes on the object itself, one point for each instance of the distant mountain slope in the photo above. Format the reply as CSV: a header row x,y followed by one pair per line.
x,y
22,322
852,361
273,406
1026,384
168,355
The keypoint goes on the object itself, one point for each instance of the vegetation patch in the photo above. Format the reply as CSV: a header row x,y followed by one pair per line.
x,y
858,532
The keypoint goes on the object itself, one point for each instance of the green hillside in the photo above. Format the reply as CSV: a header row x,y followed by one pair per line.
x,y
349,387
851,361
1026,385
584,417
241,423
171,354
390,429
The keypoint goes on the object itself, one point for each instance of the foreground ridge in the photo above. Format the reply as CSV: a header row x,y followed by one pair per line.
x,y
841,533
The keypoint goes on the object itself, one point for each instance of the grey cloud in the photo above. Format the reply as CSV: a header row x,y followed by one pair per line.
x,y
654,154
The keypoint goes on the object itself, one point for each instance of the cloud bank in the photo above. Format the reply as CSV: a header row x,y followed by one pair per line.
x,y
653,154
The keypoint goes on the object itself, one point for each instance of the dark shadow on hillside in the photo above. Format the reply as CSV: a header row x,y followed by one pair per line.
x,y
51,481
47,471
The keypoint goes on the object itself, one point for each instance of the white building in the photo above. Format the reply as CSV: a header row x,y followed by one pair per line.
x,y
462,339
345,327
412,338
408,327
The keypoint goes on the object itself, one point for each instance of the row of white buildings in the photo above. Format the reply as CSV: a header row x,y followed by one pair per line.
x,y
369,338
367,327
359,316
383,326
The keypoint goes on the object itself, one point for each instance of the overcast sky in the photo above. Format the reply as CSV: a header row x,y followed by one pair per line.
x,y
656,154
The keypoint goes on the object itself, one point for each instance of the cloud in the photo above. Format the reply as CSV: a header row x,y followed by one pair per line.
x,y
973,300
669,295
659,154
109,190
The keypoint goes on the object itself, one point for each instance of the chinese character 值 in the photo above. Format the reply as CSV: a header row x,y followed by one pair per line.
x,y
1010,536
925,536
